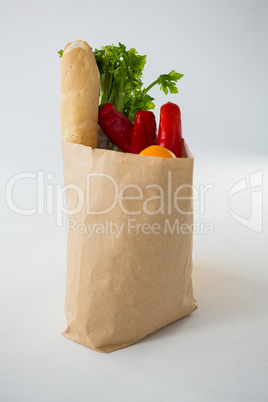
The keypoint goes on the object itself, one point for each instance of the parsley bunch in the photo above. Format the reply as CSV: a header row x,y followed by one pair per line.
x,y
121,80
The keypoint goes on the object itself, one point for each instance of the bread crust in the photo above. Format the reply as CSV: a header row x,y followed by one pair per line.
x,y
80,82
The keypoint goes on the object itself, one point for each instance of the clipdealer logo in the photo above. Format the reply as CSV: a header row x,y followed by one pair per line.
x,y
252,188
48,198
131,199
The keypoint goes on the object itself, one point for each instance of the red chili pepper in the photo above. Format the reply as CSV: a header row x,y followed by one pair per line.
x,y
170,128
116,126
144,131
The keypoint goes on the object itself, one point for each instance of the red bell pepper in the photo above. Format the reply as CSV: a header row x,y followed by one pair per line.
x,y
116,126
144,131
170,128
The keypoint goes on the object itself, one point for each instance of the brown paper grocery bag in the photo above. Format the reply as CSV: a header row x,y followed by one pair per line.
x,y
129,257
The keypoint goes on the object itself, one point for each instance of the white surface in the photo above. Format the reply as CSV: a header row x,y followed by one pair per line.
x,y
219,353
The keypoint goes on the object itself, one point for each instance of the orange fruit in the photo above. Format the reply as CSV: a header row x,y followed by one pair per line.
x,y
157,150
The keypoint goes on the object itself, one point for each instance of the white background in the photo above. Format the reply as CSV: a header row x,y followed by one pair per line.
x,y
219,353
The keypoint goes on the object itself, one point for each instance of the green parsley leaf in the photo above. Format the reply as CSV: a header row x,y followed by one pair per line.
x,y
121,80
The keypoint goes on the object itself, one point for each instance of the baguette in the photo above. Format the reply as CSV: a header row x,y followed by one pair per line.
x,y
80,83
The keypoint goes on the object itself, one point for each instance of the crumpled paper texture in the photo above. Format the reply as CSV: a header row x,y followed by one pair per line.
x,y
128,266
